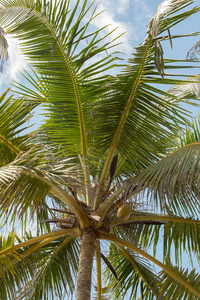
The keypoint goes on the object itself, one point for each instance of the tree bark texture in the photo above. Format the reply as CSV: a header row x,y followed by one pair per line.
x,y
83,291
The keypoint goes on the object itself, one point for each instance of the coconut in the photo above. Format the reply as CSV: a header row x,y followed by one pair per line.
x,y
124,211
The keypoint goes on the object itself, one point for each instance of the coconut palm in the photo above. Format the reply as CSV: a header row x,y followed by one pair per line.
x,y
109,172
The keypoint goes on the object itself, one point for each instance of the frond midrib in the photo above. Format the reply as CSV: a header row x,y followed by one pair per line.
x,y
9,144
149,217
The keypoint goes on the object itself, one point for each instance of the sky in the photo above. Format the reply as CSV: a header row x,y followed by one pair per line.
x,y
130,16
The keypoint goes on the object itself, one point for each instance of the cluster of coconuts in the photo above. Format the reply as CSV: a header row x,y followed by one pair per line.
x,y
124,211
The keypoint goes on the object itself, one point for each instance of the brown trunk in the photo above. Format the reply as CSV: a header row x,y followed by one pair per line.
x,y
85,264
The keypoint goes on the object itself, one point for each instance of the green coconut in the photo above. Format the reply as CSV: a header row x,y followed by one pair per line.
x,y
124,211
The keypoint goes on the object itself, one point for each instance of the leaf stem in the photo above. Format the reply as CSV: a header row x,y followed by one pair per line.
x,y
68,231
98,265
152,217
9,144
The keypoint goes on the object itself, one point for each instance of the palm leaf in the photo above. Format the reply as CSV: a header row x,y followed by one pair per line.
x,y
146,229
166,8
144,234
188,89
50,275
60,83
130,269
11,276
189,285
174,180
173,289
140,122
39,262
25,185
51,46
14,115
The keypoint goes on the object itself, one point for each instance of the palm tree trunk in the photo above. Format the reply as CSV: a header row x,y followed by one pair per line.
x,y
85,264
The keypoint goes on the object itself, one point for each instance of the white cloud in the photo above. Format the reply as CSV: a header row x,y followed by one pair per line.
x,y
108,17
15,62
130,16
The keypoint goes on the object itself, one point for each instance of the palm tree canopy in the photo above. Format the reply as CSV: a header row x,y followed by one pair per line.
x,y
115,163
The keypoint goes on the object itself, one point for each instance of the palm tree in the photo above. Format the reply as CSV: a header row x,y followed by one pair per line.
x,y
109,172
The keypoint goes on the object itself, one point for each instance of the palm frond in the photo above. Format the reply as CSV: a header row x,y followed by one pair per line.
x,y
64,88
174,180
53,41
193,52
28,271
166,8
21,193
175,290
189,89
144,234
14,115
184,239
192,288
140,122
130,269
32,240
178,233
25,187
55,273
12,276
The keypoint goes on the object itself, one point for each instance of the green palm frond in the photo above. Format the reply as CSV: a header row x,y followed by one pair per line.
x,y
11,275
146,229
174,180
39,262
183,238
130,269
191,134
27,182
20,192
144,232
173,289
53,41
135,81
140,122
50,279
14,115
191,288
63,87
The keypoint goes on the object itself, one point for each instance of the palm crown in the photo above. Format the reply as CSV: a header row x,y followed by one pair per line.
x,y
110,149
